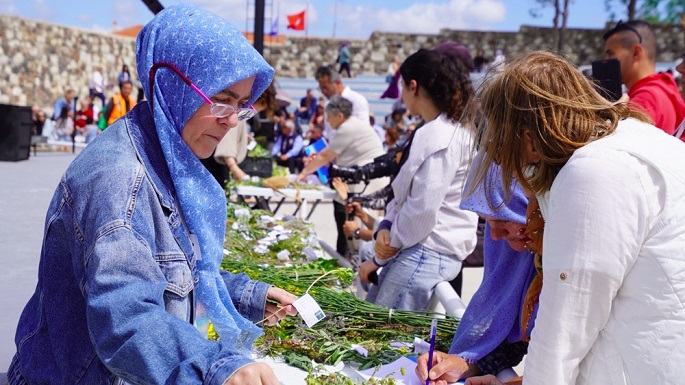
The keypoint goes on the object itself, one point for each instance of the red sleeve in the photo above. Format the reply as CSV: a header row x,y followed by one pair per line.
x,y
658,107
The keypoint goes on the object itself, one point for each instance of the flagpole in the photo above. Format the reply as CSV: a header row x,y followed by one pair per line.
x,y
306,22
278,16
335,15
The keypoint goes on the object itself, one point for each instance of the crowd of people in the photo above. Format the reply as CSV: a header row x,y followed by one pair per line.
x,y
553,169
80,118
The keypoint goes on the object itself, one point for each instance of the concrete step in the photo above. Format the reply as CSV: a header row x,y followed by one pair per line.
x,y
371,86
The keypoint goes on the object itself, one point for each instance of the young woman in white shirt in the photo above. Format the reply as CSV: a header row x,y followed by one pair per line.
x,y
612,193
425,235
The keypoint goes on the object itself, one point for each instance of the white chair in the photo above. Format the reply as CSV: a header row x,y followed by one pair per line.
x,y
446,300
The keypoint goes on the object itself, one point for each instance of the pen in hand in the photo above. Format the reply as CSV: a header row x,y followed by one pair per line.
x,y
434,331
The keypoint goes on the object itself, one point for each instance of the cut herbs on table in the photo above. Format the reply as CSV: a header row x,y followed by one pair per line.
x,y
353,331
256,236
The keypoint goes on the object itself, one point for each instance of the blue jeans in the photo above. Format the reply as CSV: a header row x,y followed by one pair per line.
x,y
407,282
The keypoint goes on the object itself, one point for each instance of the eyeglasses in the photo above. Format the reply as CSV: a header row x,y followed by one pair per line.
x,y
218,110
621,26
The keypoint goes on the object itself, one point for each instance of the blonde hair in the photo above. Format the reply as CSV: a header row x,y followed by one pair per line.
x,y
544,95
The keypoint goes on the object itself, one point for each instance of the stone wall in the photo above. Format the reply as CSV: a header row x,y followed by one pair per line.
x,y
38,61
299,57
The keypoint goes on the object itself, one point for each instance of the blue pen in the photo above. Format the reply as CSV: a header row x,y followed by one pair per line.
x,y
434,331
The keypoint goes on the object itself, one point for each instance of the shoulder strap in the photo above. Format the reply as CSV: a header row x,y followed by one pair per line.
x,y
679,131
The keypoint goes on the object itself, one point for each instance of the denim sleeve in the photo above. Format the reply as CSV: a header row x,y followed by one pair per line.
x,y
249,297
506,355
130,329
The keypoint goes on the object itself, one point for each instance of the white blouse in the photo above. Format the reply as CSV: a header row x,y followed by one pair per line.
x,y
612,307
428,192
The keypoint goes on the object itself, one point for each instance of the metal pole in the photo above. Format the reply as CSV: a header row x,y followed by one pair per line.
x,y
259,26
335,15
306,21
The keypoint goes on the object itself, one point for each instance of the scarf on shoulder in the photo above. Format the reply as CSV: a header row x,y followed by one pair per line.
x,y
214,55
494,313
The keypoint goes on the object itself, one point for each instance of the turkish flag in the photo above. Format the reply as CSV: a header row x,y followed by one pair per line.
x,y
296,21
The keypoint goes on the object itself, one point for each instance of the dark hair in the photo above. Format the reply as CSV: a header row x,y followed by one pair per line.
x,y
457,50
444,78
268,98
637,32
124,68
326,71
393,133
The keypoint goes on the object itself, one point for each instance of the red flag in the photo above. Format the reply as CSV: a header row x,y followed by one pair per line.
x,y
296,21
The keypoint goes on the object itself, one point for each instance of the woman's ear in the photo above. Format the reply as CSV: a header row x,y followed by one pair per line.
x,y
414,87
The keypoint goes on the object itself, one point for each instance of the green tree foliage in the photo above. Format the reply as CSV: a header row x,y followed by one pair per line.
x,y
654,11
560,16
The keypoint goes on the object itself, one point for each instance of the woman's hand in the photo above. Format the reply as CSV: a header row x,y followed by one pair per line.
x,y
256,373
349,227
356,209
301,177
274,313
308,159
367,267
446,368
483,380
382,246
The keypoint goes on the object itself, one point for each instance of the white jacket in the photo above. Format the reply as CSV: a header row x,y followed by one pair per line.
x,y
612,305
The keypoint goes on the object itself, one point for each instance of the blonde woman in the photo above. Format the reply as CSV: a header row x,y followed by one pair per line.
x,y
612,192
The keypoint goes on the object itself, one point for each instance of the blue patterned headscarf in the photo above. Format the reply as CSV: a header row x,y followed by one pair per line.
x,y
213,55
494,313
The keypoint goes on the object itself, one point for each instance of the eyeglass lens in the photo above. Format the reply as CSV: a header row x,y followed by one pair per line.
x,y
223,110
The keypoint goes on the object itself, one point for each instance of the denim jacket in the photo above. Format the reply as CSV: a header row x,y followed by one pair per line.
x,y
114,300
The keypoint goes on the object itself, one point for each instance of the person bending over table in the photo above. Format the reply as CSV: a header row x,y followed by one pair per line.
x,y
493,334
612,193
129,273
355,144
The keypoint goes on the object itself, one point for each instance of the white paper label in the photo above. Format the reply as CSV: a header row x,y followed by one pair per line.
x,y
283,256
309,310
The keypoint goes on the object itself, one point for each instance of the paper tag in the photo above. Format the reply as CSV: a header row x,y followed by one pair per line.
x,y
251,145
283,256
421,346
310,253
196,247
360,349
309,310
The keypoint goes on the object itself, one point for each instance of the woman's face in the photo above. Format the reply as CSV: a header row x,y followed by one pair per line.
x,y
409,96
203,131
512,232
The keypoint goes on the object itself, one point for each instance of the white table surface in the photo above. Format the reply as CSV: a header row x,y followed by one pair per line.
x,y
323,193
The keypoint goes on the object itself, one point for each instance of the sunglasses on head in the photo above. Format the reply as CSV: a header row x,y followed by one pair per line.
x,y
621,26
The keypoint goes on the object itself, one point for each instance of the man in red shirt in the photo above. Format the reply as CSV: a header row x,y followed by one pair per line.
x,y
634,45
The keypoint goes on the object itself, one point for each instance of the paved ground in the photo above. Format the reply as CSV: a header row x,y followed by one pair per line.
x,y
25,193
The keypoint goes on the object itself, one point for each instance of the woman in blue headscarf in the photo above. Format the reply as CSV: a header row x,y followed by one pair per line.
x,y
490,337
129,272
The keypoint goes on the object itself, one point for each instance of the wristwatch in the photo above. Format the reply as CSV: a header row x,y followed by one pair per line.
x,y
355,235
